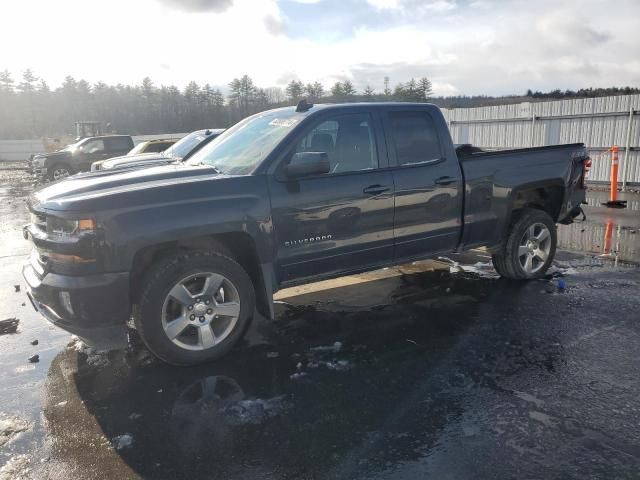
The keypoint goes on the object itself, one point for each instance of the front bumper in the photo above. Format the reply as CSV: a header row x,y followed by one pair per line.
x,y
94,307
38,171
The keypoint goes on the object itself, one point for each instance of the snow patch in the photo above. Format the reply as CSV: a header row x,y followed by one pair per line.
x,y
481,269
338,365
15,468
255,411
335,348
10,427
122,441
95,358
296,376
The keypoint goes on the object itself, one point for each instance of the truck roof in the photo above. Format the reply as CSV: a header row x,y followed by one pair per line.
x,y
367,104
317,107
108,136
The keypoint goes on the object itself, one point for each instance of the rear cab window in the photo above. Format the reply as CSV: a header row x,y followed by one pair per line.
x,y
118,144
414,138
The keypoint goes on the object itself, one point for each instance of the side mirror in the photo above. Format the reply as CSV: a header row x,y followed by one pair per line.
x,y
304,164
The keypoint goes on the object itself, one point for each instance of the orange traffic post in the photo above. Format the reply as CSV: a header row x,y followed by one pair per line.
x,y
613,196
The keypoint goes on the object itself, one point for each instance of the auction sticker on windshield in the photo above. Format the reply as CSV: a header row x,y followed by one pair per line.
x,y
283,122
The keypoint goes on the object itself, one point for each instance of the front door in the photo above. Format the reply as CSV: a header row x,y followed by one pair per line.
x,y
89,152
337,222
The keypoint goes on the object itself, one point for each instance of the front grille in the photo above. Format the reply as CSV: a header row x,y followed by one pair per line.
x,y
38,263
39,221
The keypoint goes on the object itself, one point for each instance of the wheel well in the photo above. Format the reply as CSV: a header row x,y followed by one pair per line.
x,y
237,245
548,199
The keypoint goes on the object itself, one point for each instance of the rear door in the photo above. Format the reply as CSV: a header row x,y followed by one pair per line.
x,y
341,221
116,146
428,184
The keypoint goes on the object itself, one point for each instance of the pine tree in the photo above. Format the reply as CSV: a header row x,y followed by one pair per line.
x,y
425,89
368,92
28,84
314,90
337,90
243,93
6,82
294,90
348,90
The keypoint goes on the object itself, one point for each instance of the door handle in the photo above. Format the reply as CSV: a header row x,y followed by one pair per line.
x,y
445,181
375,189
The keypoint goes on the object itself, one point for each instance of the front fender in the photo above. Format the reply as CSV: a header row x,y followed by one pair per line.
x,y
237,206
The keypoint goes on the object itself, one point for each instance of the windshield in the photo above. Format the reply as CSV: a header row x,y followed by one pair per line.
x,y
241,148
185,145
137,149
71,147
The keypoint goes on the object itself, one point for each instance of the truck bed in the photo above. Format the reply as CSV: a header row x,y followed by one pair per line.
x,y
494,178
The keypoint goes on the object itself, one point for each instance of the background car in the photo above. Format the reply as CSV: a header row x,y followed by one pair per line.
x,y
186,146
153,146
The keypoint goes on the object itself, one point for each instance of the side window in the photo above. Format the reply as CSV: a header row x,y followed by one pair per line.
x,y
118,144
93,146
415,137
348,141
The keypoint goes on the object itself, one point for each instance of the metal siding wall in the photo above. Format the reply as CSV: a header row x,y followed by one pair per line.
x,y
597,132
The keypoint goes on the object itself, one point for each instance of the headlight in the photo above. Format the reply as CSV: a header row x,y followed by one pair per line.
x,y
65,228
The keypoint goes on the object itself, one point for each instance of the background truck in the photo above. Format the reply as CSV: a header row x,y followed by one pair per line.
x,y
79,156
284,197
181,150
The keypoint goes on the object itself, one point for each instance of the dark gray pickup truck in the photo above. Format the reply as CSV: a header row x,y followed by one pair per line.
x,y
79,156
284,197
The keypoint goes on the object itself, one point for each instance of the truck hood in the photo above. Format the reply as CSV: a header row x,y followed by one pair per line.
x,y
53,155
140,159
104,188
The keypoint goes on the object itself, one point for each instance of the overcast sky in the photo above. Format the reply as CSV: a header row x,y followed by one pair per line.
x,y
464,46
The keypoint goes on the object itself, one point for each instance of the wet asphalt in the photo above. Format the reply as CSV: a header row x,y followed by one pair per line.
x,y
431,370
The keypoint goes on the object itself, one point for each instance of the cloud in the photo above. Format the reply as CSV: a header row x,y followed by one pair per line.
x,y
465,46
199,5
275,26
414,7
384,4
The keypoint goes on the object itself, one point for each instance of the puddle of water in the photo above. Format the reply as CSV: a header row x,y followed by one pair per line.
x,y
611,233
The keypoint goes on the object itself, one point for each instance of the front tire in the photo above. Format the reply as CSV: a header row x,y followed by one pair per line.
x,y
59,171
528,250
195,307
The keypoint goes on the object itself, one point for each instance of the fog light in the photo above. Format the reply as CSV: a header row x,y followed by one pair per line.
x,y
65,300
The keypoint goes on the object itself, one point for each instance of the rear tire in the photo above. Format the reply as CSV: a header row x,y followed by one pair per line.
x,y
195,307
528,250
